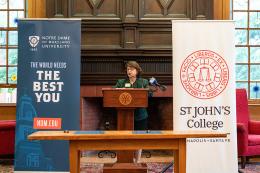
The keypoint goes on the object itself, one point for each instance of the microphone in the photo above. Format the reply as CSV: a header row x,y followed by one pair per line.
x,y
154,82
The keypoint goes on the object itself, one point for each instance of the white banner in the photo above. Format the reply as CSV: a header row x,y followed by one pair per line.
x,y
204,92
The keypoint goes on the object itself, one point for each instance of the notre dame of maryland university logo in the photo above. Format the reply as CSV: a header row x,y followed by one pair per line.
x,y
204,74
125,98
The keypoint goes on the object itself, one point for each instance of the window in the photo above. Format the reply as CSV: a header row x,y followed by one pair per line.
x,y
246,13
10,11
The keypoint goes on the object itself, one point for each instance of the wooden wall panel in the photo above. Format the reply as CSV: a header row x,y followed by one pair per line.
x,y
106,70
202,9
36,9
130,37
254,112
222,9
7,112
164,9
155,39
57,8
180,9
95,9
101,40
109,8
130,14
81,8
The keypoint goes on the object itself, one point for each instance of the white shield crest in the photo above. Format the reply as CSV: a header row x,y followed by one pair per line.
x,y
34,40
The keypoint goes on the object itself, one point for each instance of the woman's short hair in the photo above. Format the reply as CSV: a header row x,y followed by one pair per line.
x,y
135,65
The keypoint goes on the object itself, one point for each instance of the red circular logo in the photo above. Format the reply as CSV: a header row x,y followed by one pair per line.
x,y
204,74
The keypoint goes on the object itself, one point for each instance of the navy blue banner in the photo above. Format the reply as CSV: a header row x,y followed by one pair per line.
x,y
48,91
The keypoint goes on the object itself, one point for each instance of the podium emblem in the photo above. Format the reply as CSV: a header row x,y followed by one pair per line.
x,y
204,74
125,98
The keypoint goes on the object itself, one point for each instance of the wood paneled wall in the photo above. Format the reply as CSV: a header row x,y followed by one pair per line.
x,y
222,9
7,112
36,8
115,31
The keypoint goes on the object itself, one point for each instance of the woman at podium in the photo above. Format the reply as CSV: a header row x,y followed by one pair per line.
x,y
133,80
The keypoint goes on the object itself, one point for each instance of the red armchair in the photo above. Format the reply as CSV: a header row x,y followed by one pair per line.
x,y
7,137
248,131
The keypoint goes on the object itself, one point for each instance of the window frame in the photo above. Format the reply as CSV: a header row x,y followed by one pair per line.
x,y
248,46
6,47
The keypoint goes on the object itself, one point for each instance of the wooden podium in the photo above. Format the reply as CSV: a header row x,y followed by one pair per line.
x,y
125,100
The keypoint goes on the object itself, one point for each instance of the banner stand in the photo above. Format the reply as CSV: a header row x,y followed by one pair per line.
x,y
48,91
204,92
